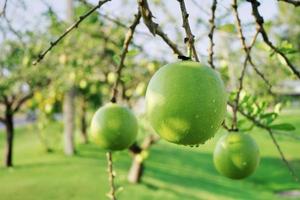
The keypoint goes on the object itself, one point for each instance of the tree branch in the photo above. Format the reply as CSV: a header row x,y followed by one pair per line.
x,y
283,158
116,21
260,27
211,34
154,28
22,101
190,38
68,30
247,51
196,3
293,2
121,65
6,101
3,12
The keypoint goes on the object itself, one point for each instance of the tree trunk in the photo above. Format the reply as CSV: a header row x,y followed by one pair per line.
x,y
69,101
69,121
137,167
136,170
8,153
83,122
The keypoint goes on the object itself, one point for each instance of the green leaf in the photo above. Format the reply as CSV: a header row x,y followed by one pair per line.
x,y
268,118
283,127
229,28
269,115
133,52
287,48
116,59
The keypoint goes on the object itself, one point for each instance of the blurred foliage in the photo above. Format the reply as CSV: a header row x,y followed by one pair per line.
x,y
18,76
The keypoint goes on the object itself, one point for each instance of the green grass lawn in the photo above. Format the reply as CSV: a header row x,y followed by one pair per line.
x,y
172,172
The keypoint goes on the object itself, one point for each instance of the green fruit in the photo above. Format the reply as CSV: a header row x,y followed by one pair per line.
x,y
186,102
114,127
236,155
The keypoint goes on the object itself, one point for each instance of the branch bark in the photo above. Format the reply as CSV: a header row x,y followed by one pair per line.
x,y
155,29
190,38
211,34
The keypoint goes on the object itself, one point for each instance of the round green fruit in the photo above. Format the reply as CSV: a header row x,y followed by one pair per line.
x,y
236,155
186,102
114,127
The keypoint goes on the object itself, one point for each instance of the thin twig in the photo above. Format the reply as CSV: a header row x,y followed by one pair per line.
x,y
119,23
114,20
154,28
3,12
121,65
22,101
283,158
248,58
111,175
293,2
260,27
190,38
224,125
196,3
13,30
68,30
211,34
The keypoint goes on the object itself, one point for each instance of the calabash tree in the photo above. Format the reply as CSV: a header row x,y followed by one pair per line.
x,y
19,79
241,105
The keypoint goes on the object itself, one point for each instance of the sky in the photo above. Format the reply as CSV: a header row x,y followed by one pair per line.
x,y
31,18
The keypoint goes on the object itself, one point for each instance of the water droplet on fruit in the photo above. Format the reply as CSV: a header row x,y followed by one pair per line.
x,y
197,145
197,116
215,110
213,100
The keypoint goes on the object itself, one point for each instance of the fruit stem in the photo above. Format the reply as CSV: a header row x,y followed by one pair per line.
x,y
111,176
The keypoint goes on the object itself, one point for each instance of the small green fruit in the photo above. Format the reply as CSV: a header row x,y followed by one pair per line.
x,y
114,127
186,102
236,155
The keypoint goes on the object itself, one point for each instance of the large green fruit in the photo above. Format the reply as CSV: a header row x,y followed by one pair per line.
x,y
186,102
114,127
236,155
